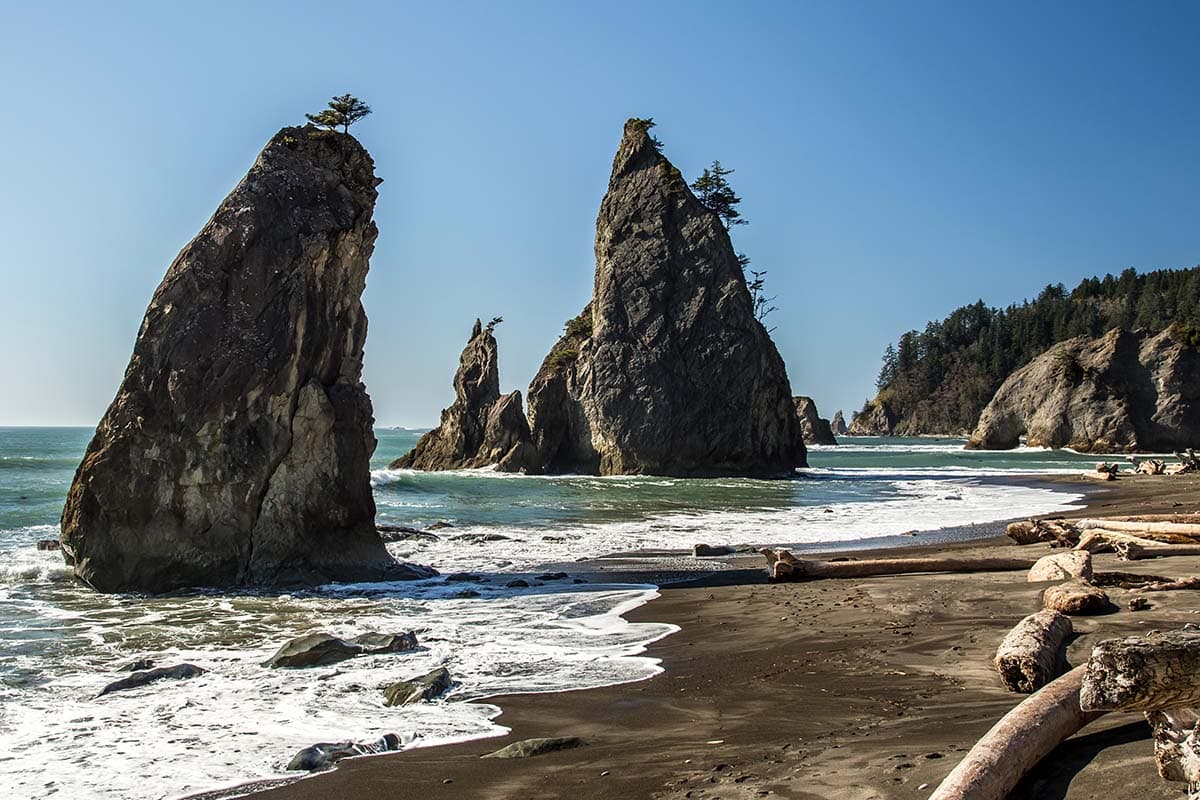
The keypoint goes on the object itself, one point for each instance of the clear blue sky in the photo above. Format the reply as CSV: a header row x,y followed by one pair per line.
x,y
896,160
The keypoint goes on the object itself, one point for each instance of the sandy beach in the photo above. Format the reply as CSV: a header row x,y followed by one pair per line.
x,y
870,688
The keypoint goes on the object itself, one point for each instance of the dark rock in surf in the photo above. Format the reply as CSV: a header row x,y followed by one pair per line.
x,y
814,429
430,685
237,450
138,679
319,649
666,371
481,428
324,755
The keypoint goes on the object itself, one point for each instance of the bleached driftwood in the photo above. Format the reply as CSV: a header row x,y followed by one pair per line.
x,y
1075,598
1032,652
1151,466
1033,531
783,566
1140,550
1022,738
1160,675
1140,528
1099,540
1062,566
1170,584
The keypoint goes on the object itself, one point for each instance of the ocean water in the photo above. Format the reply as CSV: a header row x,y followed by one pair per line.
x,y
61,643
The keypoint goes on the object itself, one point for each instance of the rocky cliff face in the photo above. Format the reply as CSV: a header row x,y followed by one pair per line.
x,y
838,426
666,371
481,428
876,419
814,429
237,448
1121,392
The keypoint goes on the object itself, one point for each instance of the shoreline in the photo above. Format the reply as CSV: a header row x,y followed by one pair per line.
x,y
837,689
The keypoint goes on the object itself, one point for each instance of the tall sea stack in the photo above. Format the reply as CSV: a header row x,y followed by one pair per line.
x,y
237,449
481,428
666,371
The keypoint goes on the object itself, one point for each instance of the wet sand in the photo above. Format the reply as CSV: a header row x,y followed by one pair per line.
x,y
854,689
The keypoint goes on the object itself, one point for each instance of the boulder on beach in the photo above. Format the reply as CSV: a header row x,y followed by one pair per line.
x,y
430,685
237,450
141,678
814,429
319,649
666,371
481,428
1124,391
324,755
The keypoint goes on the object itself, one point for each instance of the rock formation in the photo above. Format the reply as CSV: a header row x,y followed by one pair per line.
x,y
237,448
814,429
838,426
875,419
666,371
1121,392
481,428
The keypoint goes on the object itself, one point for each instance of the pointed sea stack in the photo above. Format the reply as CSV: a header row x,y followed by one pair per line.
x,y
481,428
814,429
838,426
667,371
237,449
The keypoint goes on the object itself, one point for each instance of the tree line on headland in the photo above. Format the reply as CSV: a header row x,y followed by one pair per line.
x,y
937,381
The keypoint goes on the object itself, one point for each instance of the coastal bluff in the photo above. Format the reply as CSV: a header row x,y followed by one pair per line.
x,y
237,449
667,371
1125,391
481,428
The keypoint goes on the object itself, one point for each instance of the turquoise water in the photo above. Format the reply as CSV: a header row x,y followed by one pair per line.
x,y
60,643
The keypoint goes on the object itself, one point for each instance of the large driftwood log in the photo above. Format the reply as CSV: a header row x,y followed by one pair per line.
x,y
1160,675
1075,598
1062,566
1184,529
1099,540
1023,737
1034,531
783,566
1137,551
1032,652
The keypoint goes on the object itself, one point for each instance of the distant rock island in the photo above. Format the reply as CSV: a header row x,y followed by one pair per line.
x,y
481,428
814,429
237,448
1125,391
839,424
666,371
937,381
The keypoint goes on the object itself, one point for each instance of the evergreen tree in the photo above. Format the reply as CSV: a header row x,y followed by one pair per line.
x,y
715,193
344,110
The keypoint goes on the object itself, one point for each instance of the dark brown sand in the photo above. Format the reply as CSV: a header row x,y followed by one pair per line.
x,y
871,688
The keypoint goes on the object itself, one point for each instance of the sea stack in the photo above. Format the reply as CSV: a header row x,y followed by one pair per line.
x,y
481,428
1125,391
814,429
666,371
875,419
838,426
237,449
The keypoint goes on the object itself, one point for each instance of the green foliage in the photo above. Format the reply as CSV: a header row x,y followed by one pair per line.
x,y
580,327
344,110
644,125
564,357
714,193
289,141
939,379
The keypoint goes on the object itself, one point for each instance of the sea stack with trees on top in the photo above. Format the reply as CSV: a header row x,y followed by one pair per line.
x,y
237,449
667,370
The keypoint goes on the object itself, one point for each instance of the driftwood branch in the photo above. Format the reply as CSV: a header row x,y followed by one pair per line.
x,y
783,566
1023,737
1032,652
1183,529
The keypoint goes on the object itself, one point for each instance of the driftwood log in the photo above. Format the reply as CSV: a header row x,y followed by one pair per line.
x,y
1141,528
1160,675
1137,551
1170,584
783,566
1032,653
1034,531
1062,566
1100,540
1023,737
1075,598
